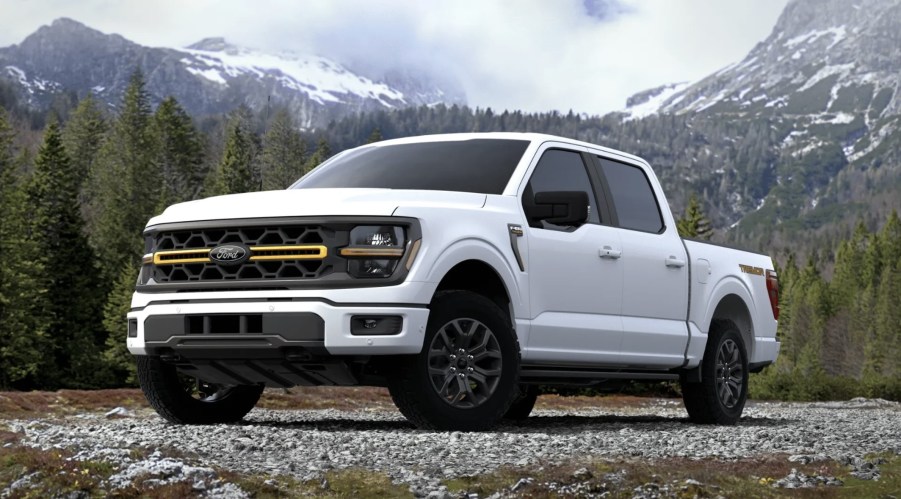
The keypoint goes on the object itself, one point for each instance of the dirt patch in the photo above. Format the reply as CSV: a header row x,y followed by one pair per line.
x,y
31,404
41,404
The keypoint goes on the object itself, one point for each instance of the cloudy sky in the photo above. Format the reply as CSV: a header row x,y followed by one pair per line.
x,y
534,55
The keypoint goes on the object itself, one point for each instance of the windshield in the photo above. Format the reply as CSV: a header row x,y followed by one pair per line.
x,y
482,166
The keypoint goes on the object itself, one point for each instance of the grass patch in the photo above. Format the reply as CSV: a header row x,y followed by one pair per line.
x,y
684,477
888,485
336,484
50,473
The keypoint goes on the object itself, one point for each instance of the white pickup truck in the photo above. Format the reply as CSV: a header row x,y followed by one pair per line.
x,y
461,271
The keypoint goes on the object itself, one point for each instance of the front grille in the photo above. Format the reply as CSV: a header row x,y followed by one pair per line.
x,y
284,252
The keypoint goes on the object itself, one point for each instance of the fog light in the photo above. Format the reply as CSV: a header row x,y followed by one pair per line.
x,y
132,328
372,325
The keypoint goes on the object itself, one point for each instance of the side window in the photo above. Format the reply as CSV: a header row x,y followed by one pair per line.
x,y
558,170
633,198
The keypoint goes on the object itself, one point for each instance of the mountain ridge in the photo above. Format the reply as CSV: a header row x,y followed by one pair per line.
x,y
210,76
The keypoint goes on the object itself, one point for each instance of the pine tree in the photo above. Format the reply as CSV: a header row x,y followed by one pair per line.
x,y
22,323
375,136
180,153
323,152
126,183
117,356
69,278
695,223
83,137
283,154
236,172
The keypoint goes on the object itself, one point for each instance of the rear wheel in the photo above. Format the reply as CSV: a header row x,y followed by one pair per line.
x,y
523,403
465,377
721,395
181,399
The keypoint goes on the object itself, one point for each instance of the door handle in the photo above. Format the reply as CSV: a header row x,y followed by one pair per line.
x,y
609,252
674,262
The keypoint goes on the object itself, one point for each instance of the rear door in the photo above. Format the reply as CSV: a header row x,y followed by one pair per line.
x,y
575,276
655,269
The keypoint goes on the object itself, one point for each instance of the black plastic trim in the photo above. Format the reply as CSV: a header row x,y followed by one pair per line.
x,y
756,367
232,346
290,326
549,372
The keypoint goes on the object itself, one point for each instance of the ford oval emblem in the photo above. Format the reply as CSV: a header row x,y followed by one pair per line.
x,y
230,254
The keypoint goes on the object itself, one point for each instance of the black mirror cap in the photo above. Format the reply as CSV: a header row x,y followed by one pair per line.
x,y
561,207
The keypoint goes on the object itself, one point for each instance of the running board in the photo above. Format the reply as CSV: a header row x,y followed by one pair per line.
x,y
550,373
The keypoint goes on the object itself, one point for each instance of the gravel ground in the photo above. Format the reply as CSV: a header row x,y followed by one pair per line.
x,y
306,443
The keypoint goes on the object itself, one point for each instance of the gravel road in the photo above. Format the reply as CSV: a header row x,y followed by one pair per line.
x,y
307,443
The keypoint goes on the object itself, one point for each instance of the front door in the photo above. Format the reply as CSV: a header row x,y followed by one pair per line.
x,y
575,272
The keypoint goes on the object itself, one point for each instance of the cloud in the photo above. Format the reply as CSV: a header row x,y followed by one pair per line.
x,y
534,55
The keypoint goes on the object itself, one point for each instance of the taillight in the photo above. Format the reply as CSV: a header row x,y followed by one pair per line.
x,y
772,289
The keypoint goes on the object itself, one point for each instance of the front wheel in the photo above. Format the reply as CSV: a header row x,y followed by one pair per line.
x,y
183,400
720,396
466,375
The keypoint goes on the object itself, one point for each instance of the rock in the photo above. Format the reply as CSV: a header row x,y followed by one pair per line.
x,y
520,484
582,474
118,412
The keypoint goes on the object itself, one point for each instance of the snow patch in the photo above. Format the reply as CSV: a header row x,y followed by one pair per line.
x,y
838,119
838,34
840,69
321,79
653,104
711,102
875,140
816,144
209,74
778,102
17,74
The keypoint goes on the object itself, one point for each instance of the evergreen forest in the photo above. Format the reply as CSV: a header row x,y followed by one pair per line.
x,y
78,184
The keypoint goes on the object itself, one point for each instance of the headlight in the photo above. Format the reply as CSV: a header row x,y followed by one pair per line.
x,y
374,250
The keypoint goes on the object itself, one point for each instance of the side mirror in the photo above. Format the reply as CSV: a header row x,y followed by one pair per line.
x,y
561,207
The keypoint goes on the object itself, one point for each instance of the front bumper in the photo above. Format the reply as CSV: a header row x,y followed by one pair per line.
x,y
322,325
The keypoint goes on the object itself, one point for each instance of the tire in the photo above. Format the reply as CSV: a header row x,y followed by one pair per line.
x,y
172,398
721,395
430,389
523,403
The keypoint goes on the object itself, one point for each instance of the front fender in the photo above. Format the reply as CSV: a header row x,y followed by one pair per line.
x,y
481,250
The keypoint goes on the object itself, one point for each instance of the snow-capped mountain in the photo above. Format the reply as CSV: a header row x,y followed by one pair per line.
x,y
210,76
832,62
802,133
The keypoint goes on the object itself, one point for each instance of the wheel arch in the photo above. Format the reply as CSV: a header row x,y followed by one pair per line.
x,y
733,307
476,265
481,278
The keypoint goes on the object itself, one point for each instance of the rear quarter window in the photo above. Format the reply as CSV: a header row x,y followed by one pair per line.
x,y
633,198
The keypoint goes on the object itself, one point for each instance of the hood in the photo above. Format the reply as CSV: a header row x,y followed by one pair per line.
x,y
313,202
